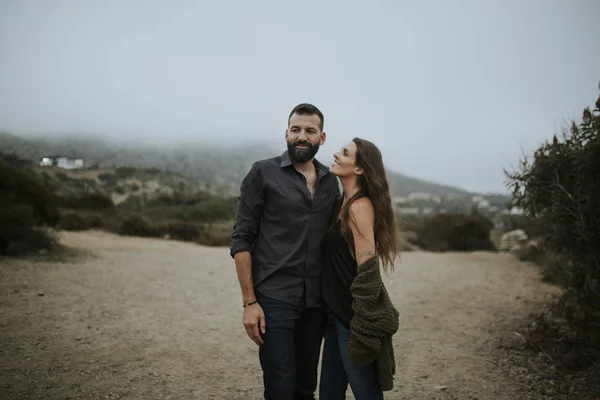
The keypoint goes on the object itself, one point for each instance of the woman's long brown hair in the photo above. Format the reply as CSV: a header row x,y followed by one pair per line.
x,y
374,185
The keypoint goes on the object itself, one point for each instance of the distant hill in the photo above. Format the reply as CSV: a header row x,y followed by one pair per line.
x,y
402,185
218,170
122,184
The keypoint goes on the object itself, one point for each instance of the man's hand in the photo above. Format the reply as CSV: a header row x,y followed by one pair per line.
x,y
254,322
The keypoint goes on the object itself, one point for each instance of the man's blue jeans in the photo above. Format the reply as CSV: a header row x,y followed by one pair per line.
x,y
336,372
289,355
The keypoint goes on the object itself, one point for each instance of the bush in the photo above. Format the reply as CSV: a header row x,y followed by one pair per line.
x,y
28,208
73,222
453,232
15,160
560,189
125,172
61,176
179,199
215,240
108,178
205,234
408,240
213,210
95,220
87,201
19,232
138,226
216,235
22,186
181,231
216,209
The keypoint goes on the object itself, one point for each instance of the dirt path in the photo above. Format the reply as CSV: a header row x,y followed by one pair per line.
x,y
155,319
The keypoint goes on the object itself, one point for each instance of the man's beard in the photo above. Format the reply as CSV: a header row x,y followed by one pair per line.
x,y
302,155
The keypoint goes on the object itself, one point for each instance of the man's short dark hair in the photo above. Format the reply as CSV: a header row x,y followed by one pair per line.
x,y
307,109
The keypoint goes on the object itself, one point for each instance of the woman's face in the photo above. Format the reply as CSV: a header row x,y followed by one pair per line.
x,y
344,163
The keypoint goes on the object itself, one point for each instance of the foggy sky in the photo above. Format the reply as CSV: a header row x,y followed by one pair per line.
x,y
449,90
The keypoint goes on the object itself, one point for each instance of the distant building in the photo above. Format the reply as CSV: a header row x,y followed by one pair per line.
x,y
480,201
62,162
419,196
484,204
408,210
398,202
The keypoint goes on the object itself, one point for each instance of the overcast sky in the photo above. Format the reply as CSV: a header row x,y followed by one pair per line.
x,y
449,90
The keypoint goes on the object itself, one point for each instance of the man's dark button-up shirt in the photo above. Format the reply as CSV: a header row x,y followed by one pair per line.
x,y
283,227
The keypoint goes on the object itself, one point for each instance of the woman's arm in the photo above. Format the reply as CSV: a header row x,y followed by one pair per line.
x,y
362,223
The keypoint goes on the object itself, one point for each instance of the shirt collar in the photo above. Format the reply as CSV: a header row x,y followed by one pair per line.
x,y
286,161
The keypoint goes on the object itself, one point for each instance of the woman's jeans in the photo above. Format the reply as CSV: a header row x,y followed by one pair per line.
x,y
336,372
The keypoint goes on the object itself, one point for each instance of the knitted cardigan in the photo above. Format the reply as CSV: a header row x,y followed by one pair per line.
x,y
374,323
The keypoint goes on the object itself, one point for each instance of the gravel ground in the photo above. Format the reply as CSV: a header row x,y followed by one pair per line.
x,y
133,318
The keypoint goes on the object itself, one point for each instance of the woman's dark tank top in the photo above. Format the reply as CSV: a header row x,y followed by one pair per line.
x,y
338,273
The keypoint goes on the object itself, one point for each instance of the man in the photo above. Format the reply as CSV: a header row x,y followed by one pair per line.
x,y
284,210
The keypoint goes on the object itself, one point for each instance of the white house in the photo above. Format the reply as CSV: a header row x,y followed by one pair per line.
x,y
62,162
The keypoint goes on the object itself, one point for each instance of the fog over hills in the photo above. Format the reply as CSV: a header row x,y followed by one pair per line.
x,y
218,167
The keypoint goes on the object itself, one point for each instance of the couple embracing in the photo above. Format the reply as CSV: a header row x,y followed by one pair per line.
x,y
309,261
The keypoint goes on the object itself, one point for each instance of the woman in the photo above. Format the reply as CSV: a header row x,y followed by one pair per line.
x,y
358,341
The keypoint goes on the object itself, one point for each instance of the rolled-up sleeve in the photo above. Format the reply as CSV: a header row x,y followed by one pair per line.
x,y
249,209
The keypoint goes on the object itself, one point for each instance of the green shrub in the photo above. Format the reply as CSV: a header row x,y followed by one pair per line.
x,y
23,186
125,172
179,230
408,240
61,176
136,225
73,222
215,240
560,190
179,199
89,183
215,235
108,179
19,233
133,203
87,201
216,209
28,207
213,210
453,232
15,160
95,221
161,200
